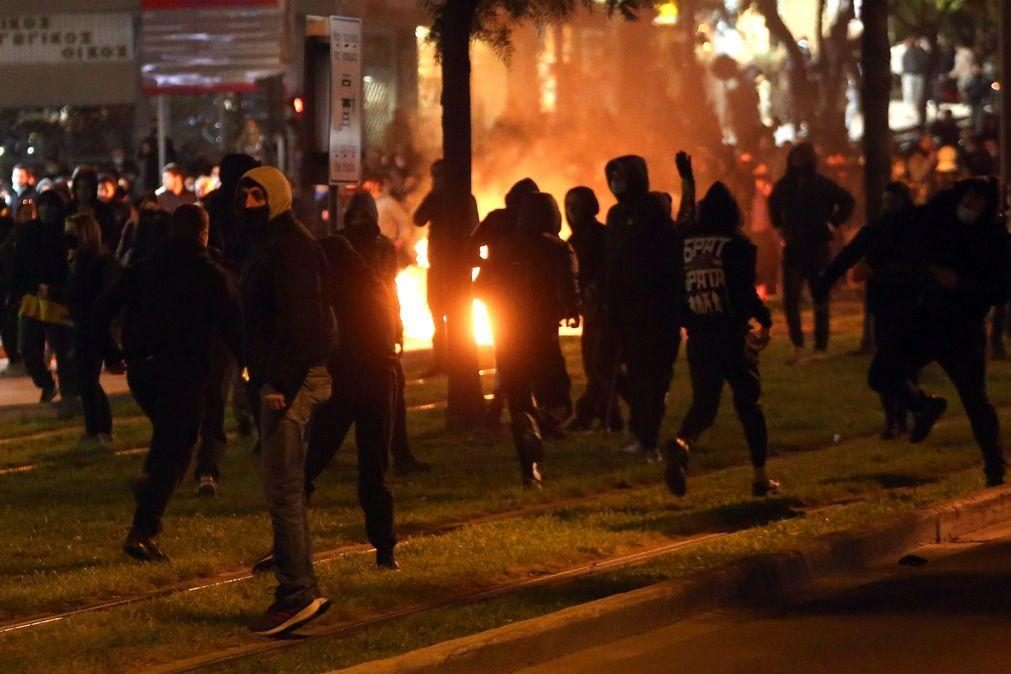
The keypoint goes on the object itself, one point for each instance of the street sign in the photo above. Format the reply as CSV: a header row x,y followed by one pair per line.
x,y
345,100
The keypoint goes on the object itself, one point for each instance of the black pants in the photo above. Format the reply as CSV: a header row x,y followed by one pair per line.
x,y
959,347
170,391
552,388
9,331
88,362
648,353
367,400
998,326
894,407
715,357
600,364
400,448
33,336
800,268
522,358
213,440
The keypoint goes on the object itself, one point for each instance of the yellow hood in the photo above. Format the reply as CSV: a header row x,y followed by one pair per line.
x,y
276,186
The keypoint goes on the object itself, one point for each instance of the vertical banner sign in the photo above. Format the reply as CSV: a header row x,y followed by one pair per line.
x,y
345,100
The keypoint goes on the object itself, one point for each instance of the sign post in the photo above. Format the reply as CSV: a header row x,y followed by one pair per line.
x,y
346,104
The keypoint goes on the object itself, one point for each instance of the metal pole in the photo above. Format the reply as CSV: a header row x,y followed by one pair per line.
x,y
163,121
1005,94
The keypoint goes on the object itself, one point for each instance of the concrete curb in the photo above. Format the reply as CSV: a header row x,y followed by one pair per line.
x,y
512,647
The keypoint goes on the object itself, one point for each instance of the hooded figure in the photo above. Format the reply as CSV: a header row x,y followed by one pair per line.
x,y
891,252
289,335
84,191
144,232
599,349
805,207
227,234
721,301
362,231
642,298
541,291
39,273
964,273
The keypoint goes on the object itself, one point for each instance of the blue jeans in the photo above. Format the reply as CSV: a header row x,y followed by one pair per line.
x,y
282,469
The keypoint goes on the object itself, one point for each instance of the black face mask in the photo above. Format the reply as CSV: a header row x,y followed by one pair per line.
x,y
71,241
256,218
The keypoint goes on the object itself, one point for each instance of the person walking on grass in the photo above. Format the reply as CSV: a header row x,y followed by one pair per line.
x,y
723,347
173,303
92,271
289,333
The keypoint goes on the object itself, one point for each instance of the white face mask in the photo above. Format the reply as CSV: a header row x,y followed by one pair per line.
x,y
967,216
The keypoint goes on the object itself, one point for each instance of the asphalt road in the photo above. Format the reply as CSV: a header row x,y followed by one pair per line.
x,y
951,615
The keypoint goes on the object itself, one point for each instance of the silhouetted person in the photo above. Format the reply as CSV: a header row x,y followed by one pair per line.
x,y
436,211
172,302
805,207
964,265
536,287
719,285
642,297
289,333
144,231
84,189
889,250
92,272
599,402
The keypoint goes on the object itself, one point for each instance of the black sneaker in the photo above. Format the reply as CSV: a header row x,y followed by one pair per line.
x,y
48,395
280,619
263,563
923,422
994,480
386,561
675,458
764,488
532,478
143,548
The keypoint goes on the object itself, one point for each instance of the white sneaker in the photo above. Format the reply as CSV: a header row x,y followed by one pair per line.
x,y
632,448
208,486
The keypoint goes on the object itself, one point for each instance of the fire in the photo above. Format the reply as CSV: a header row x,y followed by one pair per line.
x,y
412,291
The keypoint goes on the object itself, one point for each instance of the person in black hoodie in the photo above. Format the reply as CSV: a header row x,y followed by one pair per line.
x,y
964,266
172,302
143,232
805,207
496,228
721,302
365,364
642,297
361,219
40,265
599,401
91,273
227,234
289,334
84,188
536,287
890,249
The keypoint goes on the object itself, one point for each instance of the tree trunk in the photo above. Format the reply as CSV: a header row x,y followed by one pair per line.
x,y
835,58
465,404
1005,95
800,84
875,94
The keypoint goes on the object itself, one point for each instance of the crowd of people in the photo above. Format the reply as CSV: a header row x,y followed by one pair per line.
x,y
198,298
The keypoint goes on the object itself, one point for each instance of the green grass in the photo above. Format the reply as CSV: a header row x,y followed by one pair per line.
x,y
62,524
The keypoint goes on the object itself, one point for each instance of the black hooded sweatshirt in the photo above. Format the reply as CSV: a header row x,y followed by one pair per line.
x,y
40,252
719,268
805,207
642,280
379,253
589,241
86,177
226,231
173,302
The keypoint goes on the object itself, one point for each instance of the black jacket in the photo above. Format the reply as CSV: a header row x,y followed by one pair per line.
x,y
380,254
90,275
589,241
805,206
141,235
40,256
288,326
226,232
173,303
642,280
448,241
719,281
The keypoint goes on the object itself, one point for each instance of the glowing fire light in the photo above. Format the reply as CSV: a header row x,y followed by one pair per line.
x,y
412,291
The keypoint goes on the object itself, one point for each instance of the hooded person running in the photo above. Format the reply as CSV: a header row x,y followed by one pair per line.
x,y
721,302
289,333
642,299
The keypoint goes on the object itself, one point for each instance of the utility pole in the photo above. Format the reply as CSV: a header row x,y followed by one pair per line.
x,y
1005,94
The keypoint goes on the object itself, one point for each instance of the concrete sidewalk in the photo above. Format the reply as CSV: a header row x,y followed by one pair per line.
x,y
19,399
949,615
